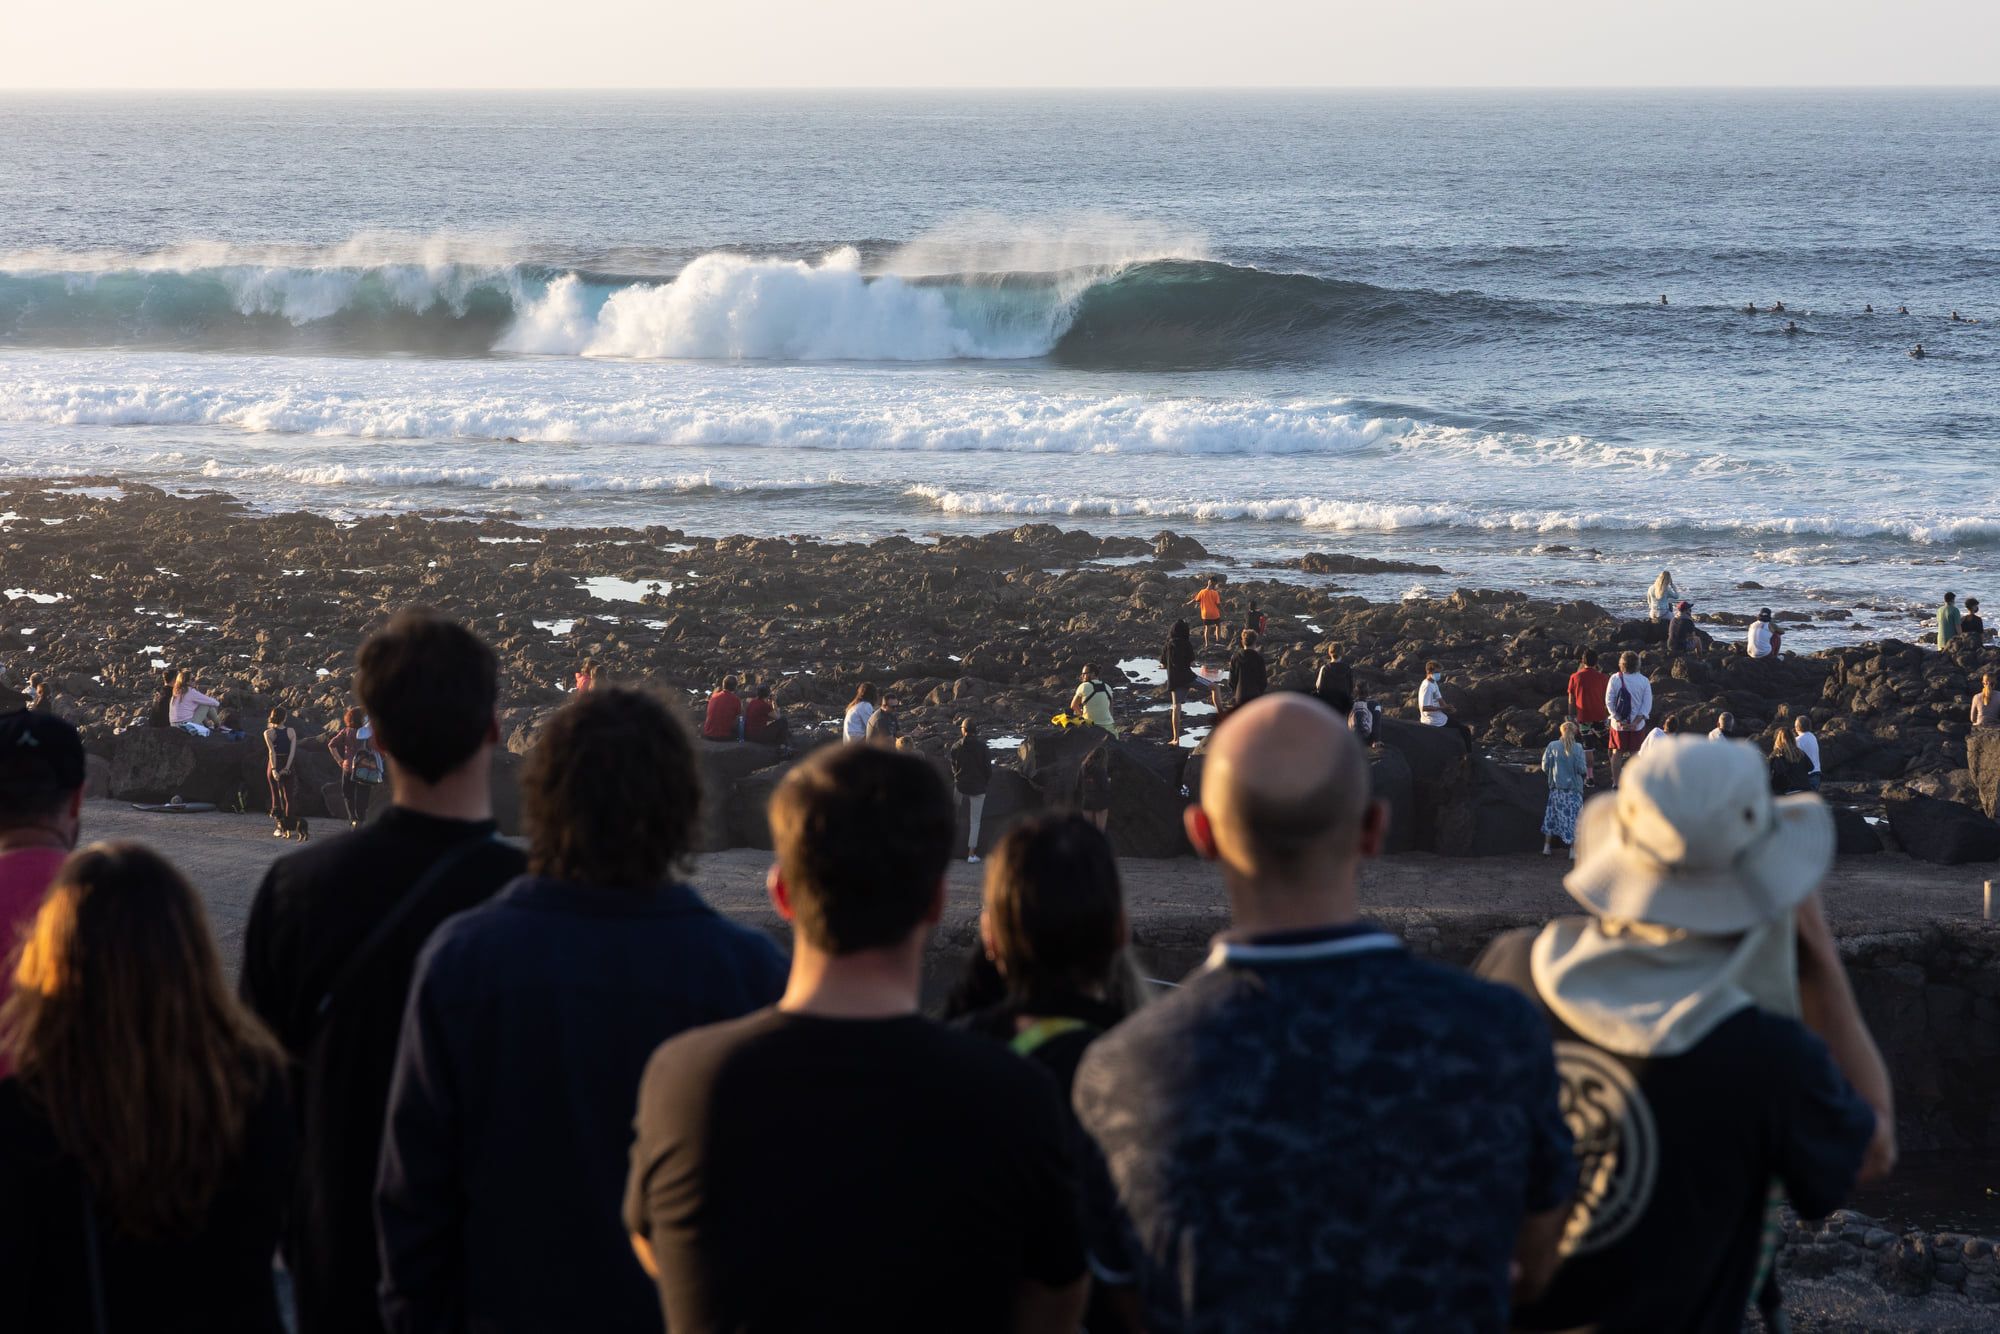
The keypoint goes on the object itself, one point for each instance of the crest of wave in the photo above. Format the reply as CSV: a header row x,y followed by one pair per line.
x,y
936,298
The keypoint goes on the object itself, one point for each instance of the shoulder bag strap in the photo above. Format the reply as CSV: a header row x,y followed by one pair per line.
x,y
404,909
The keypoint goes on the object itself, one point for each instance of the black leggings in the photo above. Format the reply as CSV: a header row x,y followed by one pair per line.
x,y
356,796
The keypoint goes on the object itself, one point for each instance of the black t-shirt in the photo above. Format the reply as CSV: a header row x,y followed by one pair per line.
x,y
1679,1155
312,913
1247,675
215,1279
1972,628
1335,686
799,1173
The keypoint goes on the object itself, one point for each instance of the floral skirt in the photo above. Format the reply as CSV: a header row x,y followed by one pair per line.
x,y
1559,821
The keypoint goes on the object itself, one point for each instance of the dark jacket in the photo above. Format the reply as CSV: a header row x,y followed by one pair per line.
x,y
1335,686
530,1023
1247,678
971,767
310,917
1179,662
1789,775
1680,634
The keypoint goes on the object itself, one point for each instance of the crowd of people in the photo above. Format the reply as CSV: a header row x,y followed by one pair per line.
x,y
467,1085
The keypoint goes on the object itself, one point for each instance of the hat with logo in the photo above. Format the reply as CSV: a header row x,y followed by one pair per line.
x,y
41,758
1693,839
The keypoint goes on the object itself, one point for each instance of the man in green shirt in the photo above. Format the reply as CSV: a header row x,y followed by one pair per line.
x,y
1947,621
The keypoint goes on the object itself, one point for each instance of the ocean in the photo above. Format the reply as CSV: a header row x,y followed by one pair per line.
x,y
1423,326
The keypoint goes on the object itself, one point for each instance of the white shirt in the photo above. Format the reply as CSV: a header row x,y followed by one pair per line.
x,y
858,714
1717,734
1759,639
1651,737
1641,691
1661,607
1809,746
1430,703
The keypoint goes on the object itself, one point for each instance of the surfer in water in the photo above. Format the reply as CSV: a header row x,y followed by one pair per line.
x,y
1918,351
1902,310
1790,327
1777,307
1663,298
1868,310
1750,308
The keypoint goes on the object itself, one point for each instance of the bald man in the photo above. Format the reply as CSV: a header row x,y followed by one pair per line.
x,y
1318,1130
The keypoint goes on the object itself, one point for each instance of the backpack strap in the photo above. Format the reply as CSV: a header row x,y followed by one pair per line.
x,y
1043,1031
405,908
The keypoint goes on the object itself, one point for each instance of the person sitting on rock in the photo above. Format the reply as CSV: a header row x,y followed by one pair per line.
x,y
885,727
1681,636
724,720
854,723
1971,626
1788,765
191,709
586,675
1725,727
1092,701
1689,1078
160,712
1808,745
1985,704
1763,639
1364,719
1248,676
762,722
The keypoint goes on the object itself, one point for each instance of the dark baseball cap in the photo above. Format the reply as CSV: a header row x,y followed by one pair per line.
x,y
41,759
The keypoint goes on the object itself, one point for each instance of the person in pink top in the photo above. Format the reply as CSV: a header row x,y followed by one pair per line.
x,y
41,806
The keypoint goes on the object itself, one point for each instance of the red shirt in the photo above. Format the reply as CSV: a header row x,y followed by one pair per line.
x,y
724,708
25,874
1586,695
757,716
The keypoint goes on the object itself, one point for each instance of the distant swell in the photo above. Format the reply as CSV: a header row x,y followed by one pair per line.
x,y
1138,310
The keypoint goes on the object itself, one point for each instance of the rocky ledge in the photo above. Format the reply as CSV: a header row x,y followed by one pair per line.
x,y
109,581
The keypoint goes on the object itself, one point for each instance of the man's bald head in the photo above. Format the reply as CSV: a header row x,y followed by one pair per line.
x,y
1285,787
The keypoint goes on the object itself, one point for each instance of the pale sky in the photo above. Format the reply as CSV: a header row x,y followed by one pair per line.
x,y
1007,43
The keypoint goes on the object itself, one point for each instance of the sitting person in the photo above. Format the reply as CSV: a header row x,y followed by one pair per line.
x,y
1092,701
762,722
1681,636
160,710
725,714
1971,626
191,709
1764,639
885,727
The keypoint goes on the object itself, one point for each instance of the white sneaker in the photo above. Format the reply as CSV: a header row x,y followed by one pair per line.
x,y
971,858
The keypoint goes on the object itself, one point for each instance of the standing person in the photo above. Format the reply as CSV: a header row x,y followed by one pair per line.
x,y
900,1137
1335,682
1248,676
1258,621
1985,704
1312,1029
1971,626
586,675
1430,696
1179,662
1808,745
762,723
190,708
1091,701
854,725
531,1019
146,1141
1093,786
1763,638
42,777
1209,600
1947,620
1660,598
1053,929
281,749
884,725
1586,697
971,776
1691,1082
1788,765
360,764
1566,764
724,718
1628,704
1681,637
335,929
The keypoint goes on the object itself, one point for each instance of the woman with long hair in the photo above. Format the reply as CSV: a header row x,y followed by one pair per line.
x,y
854,724
281,752
1566,764
1789,769
1661,597
1179,662
361,767
146,1142
190,708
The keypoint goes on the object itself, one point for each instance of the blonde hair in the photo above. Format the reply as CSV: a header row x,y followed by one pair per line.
x,y
1661,584
1570,733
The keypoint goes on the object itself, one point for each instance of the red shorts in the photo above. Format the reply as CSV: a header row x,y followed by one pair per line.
x,y
1627,743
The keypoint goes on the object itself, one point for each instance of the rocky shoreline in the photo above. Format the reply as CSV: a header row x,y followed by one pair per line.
x,y
107,581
